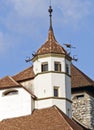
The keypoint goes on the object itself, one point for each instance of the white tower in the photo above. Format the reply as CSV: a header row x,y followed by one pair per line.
x,y
52,82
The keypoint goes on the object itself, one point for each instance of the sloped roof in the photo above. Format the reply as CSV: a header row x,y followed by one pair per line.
x,y
51,46
79,79
44,119
8,82
24,75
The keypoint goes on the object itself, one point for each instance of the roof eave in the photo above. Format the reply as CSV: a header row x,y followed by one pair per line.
x,y
53,54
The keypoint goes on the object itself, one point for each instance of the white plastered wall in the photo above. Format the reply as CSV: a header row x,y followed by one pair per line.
x,y
29,85
15,105
45,82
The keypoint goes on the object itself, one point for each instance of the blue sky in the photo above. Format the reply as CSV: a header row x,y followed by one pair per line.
x,y
24,28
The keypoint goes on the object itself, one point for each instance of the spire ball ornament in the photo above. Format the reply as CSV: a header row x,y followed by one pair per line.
x,y
50,10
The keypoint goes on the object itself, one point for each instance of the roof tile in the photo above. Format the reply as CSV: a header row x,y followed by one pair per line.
x,y
51,46
24,75
44,119
79,79
8,82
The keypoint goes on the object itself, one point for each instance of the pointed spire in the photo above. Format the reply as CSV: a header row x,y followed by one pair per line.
x,y
50,10
51,36
51,45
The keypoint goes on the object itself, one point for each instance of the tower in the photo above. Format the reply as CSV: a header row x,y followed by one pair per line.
x,y
52,82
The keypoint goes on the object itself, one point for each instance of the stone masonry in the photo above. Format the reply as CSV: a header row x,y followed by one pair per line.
x,y
83,109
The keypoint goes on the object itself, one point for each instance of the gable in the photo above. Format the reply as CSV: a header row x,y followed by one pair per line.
x,y
8,82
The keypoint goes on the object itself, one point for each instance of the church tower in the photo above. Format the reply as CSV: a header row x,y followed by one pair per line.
x,y
52,82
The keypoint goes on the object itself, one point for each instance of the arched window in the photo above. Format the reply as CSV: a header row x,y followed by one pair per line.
x,y
10,92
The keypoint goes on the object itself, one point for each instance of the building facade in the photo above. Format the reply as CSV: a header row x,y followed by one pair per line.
x,y
83,98
15,100
52,80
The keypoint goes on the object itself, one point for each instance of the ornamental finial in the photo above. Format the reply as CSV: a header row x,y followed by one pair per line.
x,y
50,10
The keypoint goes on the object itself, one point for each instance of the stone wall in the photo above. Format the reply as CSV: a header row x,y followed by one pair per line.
x,y
83,109
92,111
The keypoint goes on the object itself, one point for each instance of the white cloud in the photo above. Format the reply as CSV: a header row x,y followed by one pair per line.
x,y
27,8
25,15
74,11
71,9
30,11
30,16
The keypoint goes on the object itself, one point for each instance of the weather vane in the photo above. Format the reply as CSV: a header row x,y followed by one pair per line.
x,y
28,59
68,45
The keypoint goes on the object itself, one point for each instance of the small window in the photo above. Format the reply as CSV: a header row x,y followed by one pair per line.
x,y
80,96
57,66
67,68
55,92
44,67
10,92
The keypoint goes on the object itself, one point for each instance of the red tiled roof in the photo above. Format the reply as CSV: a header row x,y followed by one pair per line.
x,y
8,82
44,119
24,75
79,79
51,46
